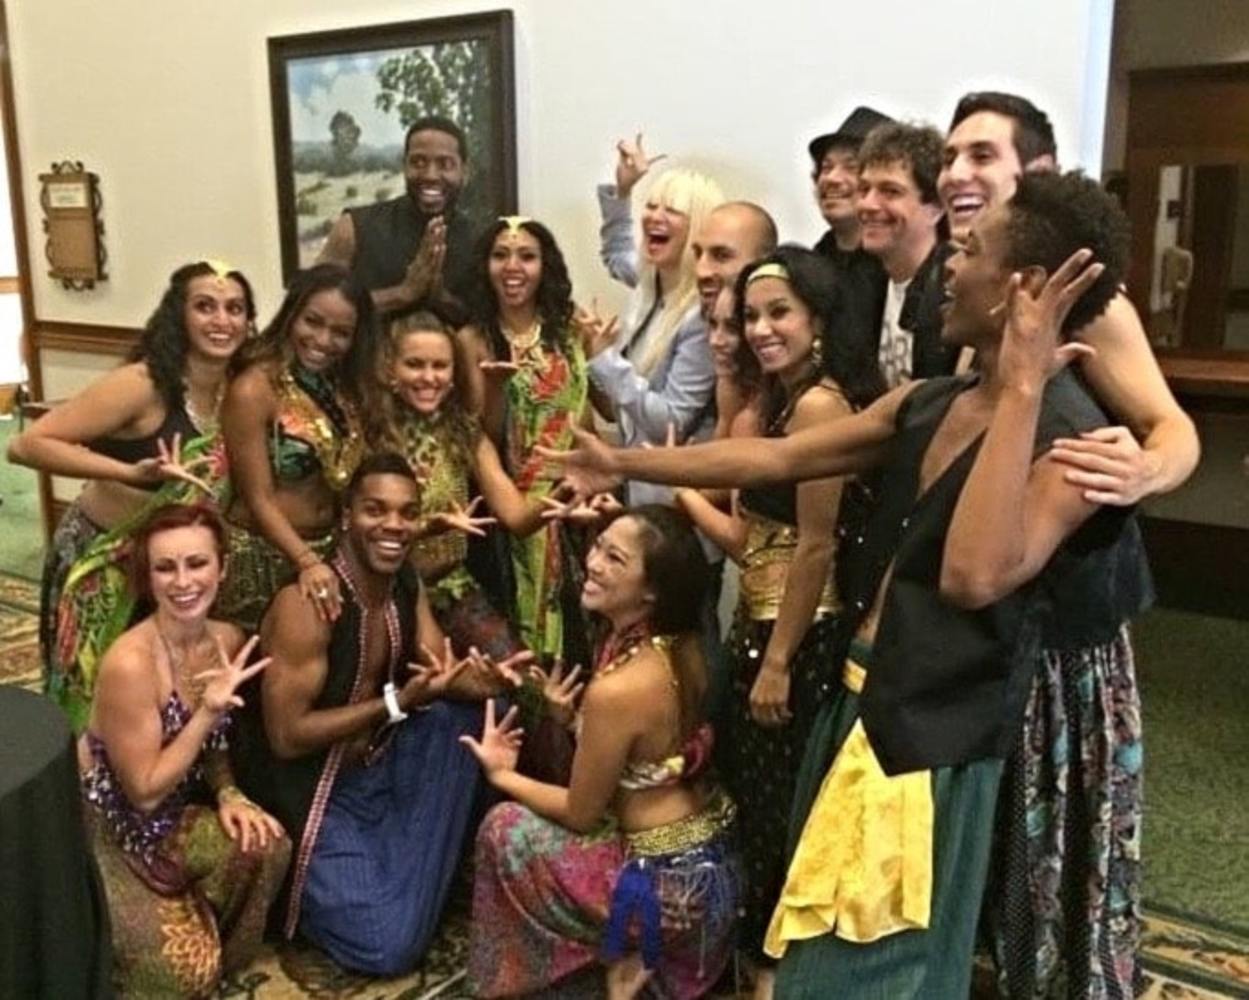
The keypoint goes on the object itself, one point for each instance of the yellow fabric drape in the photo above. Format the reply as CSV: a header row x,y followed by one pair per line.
x,y
863,865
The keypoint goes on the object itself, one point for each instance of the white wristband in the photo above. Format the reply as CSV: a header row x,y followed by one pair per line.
x,y
395,713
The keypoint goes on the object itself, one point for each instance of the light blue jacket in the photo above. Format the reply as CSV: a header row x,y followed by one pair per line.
x,y
681,388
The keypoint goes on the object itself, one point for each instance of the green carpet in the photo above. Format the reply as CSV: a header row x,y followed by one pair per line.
x,y
21,534
1193,673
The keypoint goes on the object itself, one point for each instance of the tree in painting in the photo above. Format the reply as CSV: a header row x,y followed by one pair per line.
x,y
452,80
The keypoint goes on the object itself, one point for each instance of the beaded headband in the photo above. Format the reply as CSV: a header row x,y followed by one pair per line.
x,y
772,270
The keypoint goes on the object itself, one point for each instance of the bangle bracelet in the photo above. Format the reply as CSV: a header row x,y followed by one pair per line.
x,y
307,559
393,712
231,793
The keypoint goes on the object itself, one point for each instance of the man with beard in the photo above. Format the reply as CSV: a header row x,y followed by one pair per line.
x,y
899,223
415,247
733,235
1064,903
356,746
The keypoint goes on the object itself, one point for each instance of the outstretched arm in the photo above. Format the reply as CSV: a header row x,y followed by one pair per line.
x,y
853,444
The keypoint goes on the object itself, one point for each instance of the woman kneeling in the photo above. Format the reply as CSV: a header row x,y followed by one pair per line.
x,y
188,883
634,855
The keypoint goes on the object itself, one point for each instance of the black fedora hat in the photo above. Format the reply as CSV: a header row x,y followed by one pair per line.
x,y
851,132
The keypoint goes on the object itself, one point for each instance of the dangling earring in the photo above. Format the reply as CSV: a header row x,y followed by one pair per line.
x,y
817,352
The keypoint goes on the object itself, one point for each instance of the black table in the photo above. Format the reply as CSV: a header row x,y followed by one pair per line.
x,y
54,930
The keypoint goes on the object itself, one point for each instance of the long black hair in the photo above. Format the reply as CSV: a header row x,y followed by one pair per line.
x,y
554,300
354,368
164,345
849,358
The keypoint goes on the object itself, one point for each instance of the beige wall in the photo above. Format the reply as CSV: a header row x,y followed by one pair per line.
x,y
169,103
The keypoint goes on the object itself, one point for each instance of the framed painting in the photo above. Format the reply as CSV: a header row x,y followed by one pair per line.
x,y
342,101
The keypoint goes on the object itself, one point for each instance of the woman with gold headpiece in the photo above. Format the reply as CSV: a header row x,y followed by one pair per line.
x,y
142,435
294,436
529,386
781,645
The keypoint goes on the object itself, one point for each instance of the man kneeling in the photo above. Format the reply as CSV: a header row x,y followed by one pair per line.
x,y
358,750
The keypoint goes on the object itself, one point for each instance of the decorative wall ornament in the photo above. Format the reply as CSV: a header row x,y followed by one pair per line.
x,y
70,197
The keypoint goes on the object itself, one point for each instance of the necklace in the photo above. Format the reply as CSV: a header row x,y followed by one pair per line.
x,y
522,344
204,423
178,664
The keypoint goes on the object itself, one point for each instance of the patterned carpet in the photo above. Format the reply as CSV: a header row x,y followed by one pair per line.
x,y
1184,960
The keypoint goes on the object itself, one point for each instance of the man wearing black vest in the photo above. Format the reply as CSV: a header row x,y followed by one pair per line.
x,y
356,748
975,531
417,246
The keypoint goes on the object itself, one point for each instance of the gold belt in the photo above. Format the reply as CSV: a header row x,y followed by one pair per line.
x,y
710,822
766,559
863,866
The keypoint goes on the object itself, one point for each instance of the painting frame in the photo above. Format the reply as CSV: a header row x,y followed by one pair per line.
x,y
489,33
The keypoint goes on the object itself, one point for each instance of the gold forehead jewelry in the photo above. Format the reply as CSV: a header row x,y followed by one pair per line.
x,y
772,270
219,268
514,222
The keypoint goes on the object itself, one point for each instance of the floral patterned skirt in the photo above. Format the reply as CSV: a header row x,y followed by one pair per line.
x,y
545,914
1064,900
72,538
180,943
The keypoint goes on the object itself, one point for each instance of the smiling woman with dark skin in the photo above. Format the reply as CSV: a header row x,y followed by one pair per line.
x,y
294,436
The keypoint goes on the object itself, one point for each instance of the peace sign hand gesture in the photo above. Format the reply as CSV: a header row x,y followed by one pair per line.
x,y
632,164
168,465
219,696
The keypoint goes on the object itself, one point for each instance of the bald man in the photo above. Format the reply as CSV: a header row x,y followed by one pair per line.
x,y
733,235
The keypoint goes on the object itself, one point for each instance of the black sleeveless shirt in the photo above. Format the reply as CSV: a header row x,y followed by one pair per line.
x,y
286,787
947,685
387,236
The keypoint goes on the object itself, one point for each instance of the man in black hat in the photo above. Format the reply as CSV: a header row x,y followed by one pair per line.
x,y
835,160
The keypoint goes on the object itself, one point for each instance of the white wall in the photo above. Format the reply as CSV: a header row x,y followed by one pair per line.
x,y
169,104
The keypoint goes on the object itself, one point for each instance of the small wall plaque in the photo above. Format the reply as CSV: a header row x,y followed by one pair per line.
x,y
70,197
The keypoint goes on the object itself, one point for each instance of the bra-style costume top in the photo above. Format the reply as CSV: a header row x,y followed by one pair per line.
x,y
694,754
140,833
316,429
133,450
771,516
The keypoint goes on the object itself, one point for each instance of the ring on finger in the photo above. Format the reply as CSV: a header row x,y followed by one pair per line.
x,y
321,593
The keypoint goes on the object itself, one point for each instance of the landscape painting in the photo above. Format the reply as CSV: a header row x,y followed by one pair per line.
x,y
342,101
